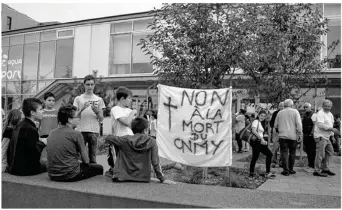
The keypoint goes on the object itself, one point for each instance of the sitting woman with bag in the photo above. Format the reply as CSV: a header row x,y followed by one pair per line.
x,y
258,145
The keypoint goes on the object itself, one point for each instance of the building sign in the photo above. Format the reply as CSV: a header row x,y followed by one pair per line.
x,y
14,64
194,126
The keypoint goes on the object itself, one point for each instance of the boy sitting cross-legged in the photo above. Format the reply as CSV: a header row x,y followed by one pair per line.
x,y
135,155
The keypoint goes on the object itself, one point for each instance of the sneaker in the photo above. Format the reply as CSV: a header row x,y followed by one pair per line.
x,y
109,173
319,174
270,175
292,172
328,172
240,151
285,173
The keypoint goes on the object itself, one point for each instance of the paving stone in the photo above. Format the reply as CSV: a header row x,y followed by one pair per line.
x,y
272,181
293,181
312,181
264,188
325,184
303,186
286,190
315,192
329,188
277,185
338,185
335,193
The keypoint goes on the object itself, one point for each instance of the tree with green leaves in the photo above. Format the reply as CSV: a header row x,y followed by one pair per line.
x,y
275,46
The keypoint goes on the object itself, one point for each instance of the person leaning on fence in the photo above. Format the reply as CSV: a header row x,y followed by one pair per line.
x,y
14,117
275,137
288,124
308,140
25,147
135,155
64,146
322,132
258,145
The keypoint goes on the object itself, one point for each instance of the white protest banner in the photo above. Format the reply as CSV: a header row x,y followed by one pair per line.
x,y
194,126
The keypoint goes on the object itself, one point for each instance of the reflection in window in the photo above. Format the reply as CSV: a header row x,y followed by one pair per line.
x,y
47,60
4,60
29,87
334,34
43,84
13,88
120,54
64,58
14,62
141,62
121,27
142,24
13,102
14,40
30,38
30,66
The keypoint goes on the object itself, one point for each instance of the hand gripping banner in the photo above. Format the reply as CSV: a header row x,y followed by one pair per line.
x,y
194,126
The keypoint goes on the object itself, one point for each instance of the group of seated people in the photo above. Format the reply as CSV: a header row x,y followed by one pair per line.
x,y
67,156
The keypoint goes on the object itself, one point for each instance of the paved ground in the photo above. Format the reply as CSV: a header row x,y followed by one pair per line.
x,y
302,182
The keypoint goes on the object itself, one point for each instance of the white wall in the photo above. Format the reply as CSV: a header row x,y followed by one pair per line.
x,y
82,44
99,57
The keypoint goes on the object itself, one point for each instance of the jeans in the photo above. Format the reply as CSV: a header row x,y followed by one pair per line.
x,y
310,149
256,149
324,151
276,146
239,141
87,171
288,146
91,140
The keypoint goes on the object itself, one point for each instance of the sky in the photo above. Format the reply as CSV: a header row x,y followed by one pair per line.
x,y
68,12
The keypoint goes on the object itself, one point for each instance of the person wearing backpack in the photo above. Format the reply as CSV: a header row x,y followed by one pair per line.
x,y
258,145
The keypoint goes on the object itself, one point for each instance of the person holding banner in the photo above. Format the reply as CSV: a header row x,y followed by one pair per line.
x,y
259,144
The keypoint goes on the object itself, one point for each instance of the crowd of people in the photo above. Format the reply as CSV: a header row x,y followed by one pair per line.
x,y
57,145
286,129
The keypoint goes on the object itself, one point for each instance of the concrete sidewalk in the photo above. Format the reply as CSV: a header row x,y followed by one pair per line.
x,y
302,182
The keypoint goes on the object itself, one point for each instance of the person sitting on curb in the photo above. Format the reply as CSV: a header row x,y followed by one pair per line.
x,y
135,154
322,132
64,145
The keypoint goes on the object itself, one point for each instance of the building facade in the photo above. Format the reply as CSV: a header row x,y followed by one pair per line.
x,y
12,19
47,57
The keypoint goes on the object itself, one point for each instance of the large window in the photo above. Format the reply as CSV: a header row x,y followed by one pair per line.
x,y
14,64
64,58
30,61
47,60
125,56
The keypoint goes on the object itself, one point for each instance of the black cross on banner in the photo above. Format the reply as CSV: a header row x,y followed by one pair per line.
x,y
169,105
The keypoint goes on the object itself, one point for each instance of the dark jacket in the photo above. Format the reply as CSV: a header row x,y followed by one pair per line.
x,y
134,158
25,149
307,123
274,115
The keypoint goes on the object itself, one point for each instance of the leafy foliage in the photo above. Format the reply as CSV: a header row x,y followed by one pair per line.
x,y
276,46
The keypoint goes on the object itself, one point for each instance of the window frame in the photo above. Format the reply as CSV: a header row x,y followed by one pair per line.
x,y
9,23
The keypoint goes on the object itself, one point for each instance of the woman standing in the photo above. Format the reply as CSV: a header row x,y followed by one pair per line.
x,y
260,145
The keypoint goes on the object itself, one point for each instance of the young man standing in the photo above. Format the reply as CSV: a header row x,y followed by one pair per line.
x,y
64,145
25,148
90,111
275,137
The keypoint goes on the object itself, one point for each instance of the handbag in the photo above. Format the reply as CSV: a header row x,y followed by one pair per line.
x,y
247,135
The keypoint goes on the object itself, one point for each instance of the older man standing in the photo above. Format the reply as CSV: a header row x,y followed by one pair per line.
x,y
322,132
309,142
289,127
275,137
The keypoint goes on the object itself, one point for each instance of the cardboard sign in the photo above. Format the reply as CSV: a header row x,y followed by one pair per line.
x,y
194,126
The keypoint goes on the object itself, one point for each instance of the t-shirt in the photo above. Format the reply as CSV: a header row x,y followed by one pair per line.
x,y
260,129
64,145
326,119
89,121
49,122
120,129
240,123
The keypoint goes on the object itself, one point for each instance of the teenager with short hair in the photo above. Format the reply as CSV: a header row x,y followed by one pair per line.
x,y
14,116
49,120
25,148
64,145
90,110
121,118
135,155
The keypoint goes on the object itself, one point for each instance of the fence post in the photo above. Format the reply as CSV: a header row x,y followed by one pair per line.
x,y
205,173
